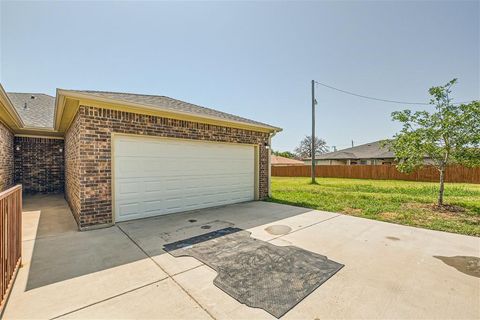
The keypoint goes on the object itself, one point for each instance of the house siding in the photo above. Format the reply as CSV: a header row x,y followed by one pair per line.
x,y
39,164
6,158
90,134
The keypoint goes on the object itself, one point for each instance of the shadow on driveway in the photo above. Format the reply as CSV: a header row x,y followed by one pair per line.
x,y
61,252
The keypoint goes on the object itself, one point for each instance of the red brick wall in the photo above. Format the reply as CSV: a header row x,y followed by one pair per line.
x,y
39,164
6,158
93,128
72,167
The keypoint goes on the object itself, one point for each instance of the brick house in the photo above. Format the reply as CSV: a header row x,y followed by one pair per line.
x,y
121,156
372,153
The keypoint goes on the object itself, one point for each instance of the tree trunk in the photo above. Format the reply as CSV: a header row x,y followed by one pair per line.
x,y
440,192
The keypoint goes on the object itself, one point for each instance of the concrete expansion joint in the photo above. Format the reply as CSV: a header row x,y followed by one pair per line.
x,y
40,238
168,275
109,298
303,228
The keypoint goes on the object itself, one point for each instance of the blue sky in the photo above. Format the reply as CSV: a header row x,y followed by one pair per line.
x,y
253,59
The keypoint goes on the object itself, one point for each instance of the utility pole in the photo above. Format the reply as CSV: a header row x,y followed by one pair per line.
x,y
313,132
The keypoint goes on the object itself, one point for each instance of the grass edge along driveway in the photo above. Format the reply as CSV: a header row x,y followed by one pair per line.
x,y
402,202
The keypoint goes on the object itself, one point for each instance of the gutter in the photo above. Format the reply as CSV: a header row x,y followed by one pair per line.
x,y
270,136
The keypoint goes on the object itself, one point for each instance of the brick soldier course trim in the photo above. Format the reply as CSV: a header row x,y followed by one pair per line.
x,y
6,158
88,154
39,164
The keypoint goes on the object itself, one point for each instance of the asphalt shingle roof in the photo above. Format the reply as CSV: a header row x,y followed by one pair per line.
x,y
166,103
278,160
372,150
35,109
38,109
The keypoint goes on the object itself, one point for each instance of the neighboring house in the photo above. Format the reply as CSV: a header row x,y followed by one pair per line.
x,y
278,161
367,154
122,156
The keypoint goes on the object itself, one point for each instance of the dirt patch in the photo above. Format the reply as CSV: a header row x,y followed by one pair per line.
x,y
446,208
429,213
352,211
278,229
388,215
465,264
417,206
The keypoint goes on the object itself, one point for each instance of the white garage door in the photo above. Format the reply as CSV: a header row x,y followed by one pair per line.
x,y
155,176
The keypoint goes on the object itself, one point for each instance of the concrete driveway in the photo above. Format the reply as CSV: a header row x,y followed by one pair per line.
x,y
390,271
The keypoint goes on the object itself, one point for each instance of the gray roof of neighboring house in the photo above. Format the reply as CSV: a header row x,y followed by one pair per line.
x,y
170,104
371,150
35,109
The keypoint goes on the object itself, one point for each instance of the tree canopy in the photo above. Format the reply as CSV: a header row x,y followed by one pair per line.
x,y
285,154
450,134
304,149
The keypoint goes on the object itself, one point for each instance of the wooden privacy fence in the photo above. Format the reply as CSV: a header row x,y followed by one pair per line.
x,y
380,172
10,239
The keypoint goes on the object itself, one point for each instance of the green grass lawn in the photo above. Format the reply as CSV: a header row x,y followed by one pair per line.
x,y
403,202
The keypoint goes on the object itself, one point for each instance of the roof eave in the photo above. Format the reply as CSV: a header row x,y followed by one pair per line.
x,y
39,131
62,94
14,118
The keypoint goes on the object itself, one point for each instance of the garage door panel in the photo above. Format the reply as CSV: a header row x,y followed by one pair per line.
x,y
173,189
154,205
164,166
126,148
154,186
126,209
127,187
161,176
173,203
129,166
171,167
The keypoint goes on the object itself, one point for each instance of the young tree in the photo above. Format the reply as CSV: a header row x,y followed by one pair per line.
x,y
304,150
448,135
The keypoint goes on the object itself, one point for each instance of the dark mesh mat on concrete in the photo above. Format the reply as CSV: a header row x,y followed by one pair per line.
x,y
257,273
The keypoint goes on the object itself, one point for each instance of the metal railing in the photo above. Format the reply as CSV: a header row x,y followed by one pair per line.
x,y
10,239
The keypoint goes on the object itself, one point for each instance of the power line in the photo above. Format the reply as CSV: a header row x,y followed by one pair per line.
x,y
377,99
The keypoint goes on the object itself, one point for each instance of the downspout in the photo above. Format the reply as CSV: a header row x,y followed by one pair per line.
x,y
270,163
